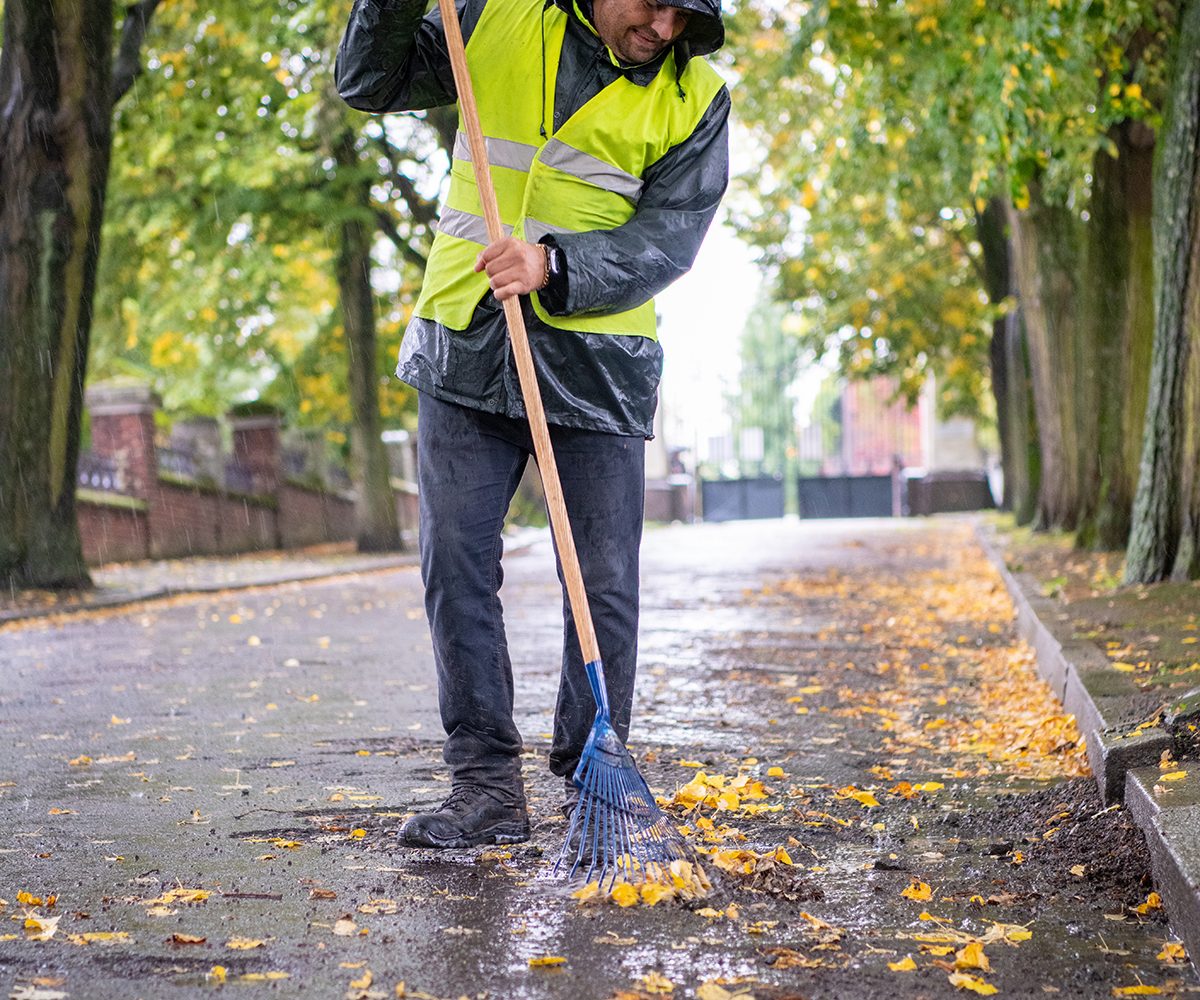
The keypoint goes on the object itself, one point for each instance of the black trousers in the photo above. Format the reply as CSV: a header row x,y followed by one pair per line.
x,y
469,465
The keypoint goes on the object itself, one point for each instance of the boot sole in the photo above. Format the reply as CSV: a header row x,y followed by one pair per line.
x,y
496,835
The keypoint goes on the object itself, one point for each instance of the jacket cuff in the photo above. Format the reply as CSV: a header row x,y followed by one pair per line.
x,y
554,296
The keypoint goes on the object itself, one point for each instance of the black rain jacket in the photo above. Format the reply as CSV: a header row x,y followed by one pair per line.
x,y
393,58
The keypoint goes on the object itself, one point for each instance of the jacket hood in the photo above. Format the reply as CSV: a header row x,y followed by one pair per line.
x,y
704,34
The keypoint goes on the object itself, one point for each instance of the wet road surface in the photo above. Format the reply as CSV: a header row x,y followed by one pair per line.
x,y
209,787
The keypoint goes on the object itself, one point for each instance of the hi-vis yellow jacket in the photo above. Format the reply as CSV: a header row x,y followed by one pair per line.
x,y
586,175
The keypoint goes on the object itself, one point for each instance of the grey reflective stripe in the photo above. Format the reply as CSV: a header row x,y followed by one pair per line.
x,y
500,152
535,230
577,163
466,226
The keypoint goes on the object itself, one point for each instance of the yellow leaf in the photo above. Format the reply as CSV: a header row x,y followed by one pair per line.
x,y
625,895
40,928
1173,951
589,891
245,944
965,982
547,961
782,856
1173,776
919,891
971,956
712,991
218,973
906,964
180,895
775,772
654,892
866,799
1078,870
1140,990
99,937
358,834
656,982
28,899
1153,902
362,982
81,761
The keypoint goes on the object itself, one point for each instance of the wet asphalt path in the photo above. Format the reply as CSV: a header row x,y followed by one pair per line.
x,y
260,747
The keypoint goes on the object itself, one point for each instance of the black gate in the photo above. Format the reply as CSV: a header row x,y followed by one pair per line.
x,y
741,499
845,496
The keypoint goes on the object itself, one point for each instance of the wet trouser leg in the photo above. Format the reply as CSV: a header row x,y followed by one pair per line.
x,y
603,480
470,463
468,469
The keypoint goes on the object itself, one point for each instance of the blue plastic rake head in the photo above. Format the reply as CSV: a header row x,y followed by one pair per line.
x,y
617,829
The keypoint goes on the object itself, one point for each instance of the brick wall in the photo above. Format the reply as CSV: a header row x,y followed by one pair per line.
x,y
166,516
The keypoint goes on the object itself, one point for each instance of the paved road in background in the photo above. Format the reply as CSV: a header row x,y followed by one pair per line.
x,y
209,785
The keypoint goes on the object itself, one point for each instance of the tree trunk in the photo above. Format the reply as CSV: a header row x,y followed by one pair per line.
x,y
55,116
1046,257
378,525
990,228
1159,507
1116,331
1022,422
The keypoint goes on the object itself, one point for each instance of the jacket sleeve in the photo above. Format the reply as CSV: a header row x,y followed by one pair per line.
x,y
393,56
617,269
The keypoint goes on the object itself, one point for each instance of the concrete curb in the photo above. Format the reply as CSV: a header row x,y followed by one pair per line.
x,y
1169,817
1123,756
1082,679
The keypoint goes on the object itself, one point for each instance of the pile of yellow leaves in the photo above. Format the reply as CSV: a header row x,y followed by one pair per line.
x,y
683,880
741,794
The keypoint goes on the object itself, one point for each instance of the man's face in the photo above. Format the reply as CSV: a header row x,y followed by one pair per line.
x,y
638,30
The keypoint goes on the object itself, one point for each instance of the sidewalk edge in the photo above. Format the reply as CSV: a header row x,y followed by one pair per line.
x,y
132,597
1116,753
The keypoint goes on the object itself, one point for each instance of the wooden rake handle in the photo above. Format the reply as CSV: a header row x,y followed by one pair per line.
x,y
559,522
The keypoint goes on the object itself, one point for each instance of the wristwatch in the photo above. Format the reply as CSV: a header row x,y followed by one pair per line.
x,y
554,263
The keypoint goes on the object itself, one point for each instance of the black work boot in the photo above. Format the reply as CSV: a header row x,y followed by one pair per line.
x,y
471,816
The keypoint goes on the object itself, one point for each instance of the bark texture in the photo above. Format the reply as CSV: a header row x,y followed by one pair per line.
x,y
1116,331
55,117
1045,240
1162,505
378,526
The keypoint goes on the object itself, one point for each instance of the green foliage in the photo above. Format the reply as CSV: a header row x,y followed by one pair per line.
x,y
885,126
225,203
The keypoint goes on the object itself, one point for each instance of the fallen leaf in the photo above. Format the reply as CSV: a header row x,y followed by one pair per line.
x,y
625,895
99,937
1172,951
547,961
345,926
971,956
906,964
1173,776
919,891
217,973
656,982
180,895
587,892
357,834
38,928
1078,870
187,939
322,894
976,985
1153,902
363,982
245,944
1140,990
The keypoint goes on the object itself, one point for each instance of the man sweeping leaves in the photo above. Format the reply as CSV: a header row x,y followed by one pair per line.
x,y
607,141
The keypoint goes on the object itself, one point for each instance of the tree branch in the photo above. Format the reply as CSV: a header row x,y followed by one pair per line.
x,y
387,226
128,65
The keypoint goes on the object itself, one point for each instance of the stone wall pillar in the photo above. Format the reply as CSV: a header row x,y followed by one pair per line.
x,y
257,448
122,417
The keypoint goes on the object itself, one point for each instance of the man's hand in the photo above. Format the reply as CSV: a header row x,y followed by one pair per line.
x,y
513,267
